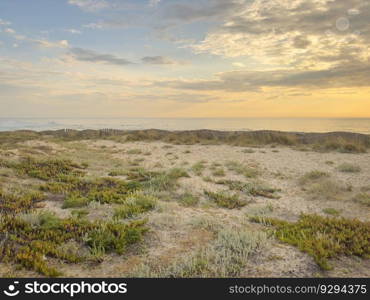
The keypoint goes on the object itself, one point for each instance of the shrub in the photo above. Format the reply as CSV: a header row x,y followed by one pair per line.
x,y
218,172
136,204
134,151
224,200
325,189
238,168
226,256
75,200
331,211
312,176
322,237
47,169
13,204
349,168
198,168
33,245
251,188
188,199
362,198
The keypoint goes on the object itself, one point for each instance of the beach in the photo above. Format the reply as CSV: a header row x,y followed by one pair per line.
x,y
191,204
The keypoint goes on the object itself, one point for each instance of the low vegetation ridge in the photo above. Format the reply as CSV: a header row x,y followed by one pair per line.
x,y
341,141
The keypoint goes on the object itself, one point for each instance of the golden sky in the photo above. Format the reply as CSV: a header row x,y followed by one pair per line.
x,y
208,58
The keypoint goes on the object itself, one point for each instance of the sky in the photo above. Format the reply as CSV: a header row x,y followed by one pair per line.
x,y
185,58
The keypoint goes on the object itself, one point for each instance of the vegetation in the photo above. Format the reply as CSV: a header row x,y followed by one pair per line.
x,y
136,203
188,199
342,142
198,168
349,168
222,199
362,198
331,211
251,188
238,168
11,204
134,151
218,172
46,169
318,185
226,256
32,246
322,237
312,176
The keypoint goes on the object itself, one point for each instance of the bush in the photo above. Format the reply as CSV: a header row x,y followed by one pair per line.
x,y
312,176
33,245
349,168
136,204
13,204
226,201
226,257
188,199
251,188
47,169
362,198
322,237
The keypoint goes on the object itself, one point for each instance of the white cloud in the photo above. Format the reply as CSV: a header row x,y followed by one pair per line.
x,y
74,31
50,44
90,5
4,23
154,3
238,64
317,34
9,30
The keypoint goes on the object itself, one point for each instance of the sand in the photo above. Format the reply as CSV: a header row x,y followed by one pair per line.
x,y
172,233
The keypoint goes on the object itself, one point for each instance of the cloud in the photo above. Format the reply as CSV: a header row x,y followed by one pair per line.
x,y
74,31
4,23
92,56
351,75
9,30
90,5
158,60
117,23
153,3
315,34
50,44
201,10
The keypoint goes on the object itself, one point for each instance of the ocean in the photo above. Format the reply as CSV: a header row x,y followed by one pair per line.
x,y
224,124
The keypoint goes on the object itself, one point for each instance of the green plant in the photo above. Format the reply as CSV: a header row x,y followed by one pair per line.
x,y
349,168
135,204
312,176
133,151
47,169
33,245
224,200
75,200
331,211
238,168
251,188
218,172
362,198
13,204
226,256
198,168
322,237
188,199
